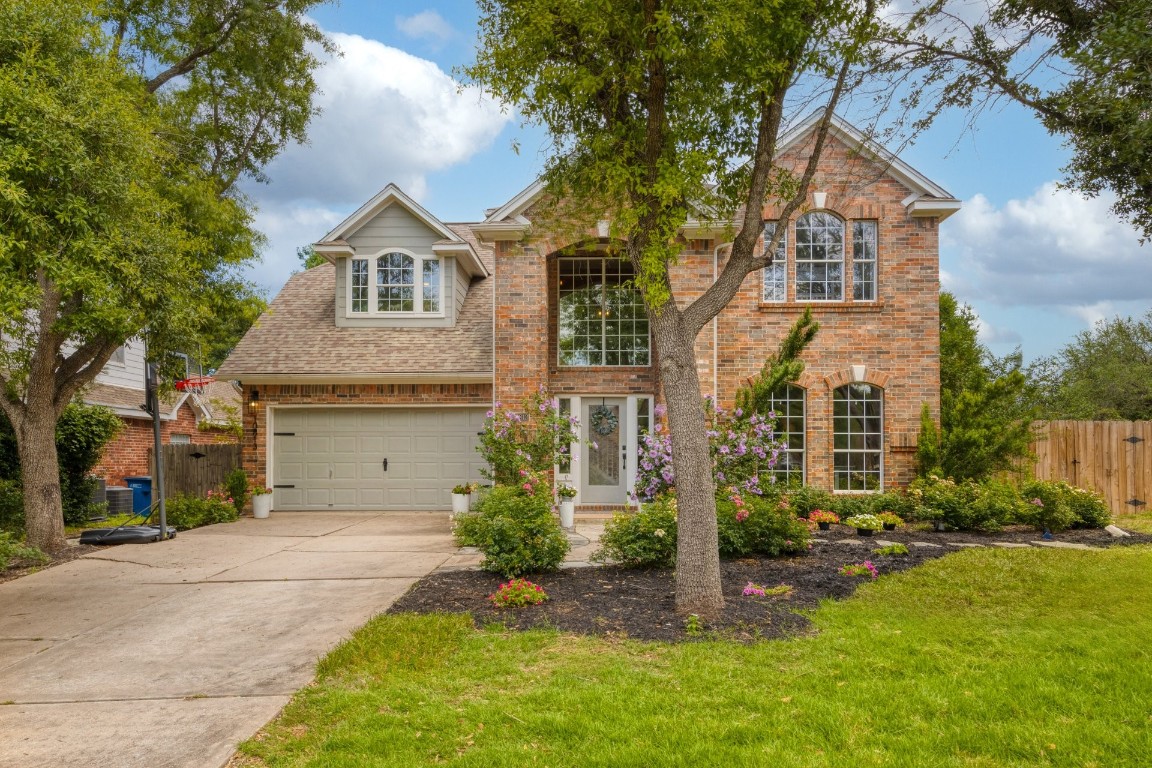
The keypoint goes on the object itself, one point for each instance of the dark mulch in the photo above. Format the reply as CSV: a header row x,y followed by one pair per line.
x,y
18,567
612,601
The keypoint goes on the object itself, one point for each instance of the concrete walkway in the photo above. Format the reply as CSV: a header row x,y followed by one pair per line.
x,y
170,654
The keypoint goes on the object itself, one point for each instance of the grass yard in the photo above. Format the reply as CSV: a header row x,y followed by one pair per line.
x,y
981,658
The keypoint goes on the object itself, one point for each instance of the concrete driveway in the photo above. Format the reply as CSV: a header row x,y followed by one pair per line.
x,y
169,654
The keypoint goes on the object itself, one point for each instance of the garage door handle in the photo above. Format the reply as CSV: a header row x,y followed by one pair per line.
x,y
385,465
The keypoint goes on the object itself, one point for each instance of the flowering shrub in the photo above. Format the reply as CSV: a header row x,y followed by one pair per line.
x,y
890,518
644,539
865,568
820,516
517,593
184,512
744,450
532,439
516,531
1056,505
756,590
748,524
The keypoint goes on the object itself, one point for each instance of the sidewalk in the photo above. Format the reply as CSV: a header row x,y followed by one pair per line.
x,y
169,654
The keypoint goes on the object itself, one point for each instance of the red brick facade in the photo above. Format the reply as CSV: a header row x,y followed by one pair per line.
x,y
129,455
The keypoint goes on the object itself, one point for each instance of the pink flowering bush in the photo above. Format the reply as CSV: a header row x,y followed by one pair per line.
x,y
865,568
517,593
530,439
744,451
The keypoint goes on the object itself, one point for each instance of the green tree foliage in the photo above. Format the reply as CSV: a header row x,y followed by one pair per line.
x,y
779,369
1105,373
986,409
1084,67
116,191
658,111
309,258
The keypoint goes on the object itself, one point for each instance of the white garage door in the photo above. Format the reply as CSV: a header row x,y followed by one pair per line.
x,y
373,458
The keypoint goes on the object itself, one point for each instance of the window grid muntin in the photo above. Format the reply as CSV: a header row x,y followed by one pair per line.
x,y
395,282
819,257
789,403
359,285
858,438
864,260
431,285
610,327
776,274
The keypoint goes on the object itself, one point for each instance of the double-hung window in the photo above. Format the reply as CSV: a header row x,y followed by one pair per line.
x,y
819,257
776,274
396,282
858,437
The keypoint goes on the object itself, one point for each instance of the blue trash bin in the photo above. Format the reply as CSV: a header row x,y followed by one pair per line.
x,y
141,493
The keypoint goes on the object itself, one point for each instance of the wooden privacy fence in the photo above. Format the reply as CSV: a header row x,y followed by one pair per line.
x,y
194,470
1111,457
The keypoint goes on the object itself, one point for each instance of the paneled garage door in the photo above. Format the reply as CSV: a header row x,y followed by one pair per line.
x,y
373,458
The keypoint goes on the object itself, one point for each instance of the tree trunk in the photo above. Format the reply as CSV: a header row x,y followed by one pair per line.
x,y
40,476
697,550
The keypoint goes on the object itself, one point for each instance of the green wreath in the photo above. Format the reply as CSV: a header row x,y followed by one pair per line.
x,y
604,420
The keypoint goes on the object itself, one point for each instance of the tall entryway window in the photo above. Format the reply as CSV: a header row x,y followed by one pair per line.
x,y
858,438
602,465
601,316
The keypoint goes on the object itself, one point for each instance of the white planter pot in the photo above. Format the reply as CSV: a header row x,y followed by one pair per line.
x,y
567,513
261,505
460,503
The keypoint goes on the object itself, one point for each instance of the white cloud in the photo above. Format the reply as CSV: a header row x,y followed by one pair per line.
x,y
388,116
427,25
289,225
1053,249
991,334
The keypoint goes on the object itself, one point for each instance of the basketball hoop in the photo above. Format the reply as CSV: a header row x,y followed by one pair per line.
x,y
194,384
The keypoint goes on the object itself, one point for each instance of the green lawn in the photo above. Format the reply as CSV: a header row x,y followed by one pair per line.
x,y
982,658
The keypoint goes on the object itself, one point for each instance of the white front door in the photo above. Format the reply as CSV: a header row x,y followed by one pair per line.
x,y
604,469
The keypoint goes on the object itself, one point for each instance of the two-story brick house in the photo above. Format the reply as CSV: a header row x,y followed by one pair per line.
x,y
366,382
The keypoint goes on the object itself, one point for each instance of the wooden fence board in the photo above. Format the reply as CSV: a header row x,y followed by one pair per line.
x,y
193,470
1113,458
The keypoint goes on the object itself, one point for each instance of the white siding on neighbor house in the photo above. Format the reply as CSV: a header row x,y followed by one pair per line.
x,y
130,373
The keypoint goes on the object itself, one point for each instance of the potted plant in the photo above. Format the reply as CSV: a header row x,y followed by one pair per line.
x,y
864,524
261,502
462,497
567,496
823,519
891,520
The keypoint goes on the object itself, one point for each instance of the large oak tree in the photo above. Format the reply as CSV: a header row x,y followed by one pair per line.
x,y
659,110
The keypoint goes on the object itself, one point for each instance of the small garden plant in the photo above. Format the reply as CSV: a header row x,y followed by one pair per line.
x,y
865,522
865,568
517,593
184,512
11,549
891,549
823,516
890,519
757,590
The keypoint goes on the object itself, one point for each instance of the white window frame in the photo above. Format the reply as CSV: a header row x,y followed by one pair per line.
x,y
858,262
604,349
418,261
842,261
780,396
850,451
775,284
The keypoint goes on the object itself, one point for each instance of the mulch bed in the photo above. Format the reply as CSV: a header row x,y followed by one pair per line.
x,y
637,603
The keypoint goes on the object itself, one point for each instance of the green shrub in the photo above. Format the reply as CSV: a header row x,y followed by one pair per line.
x,y
81,434
184,512
11,507
643,539
897,502
11,548
852,505
236,486
1056,506
804,499
516,531
954,504
758,526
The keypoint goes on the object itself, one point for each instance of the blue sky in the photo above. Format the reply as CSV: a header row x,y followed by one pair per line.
x,y
1038,264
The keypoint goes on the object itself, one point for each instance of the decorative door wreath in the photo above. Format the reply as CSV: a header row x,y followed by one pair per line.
x,y
603,420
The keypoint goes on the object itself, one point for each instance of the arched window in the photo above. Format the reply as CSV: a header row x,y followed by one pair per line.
x,y
819,257
787,402
395,283
858,438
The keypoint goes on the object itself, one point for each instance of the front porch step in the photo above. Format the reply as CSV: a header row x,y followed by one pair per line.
x,y
599,513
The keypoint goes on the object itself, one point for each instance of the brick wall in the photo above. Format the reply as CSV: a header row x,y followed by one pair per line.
x,y
255,420
895,337
130,453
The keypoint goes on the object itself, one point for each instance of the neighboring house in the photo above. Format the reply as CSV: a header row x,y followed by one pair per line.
x,y
367,380
185,417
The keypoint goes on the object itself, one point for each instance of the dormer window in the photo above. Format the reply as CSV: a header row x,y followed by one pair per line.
x,y
404,283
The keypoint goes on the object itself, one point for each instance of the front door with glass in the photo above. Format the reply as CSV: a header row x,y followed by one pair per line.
x,y
604,474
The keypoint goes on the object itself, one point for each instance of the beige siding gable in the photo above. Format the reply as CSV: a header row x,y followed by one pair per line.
x,y
393,227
